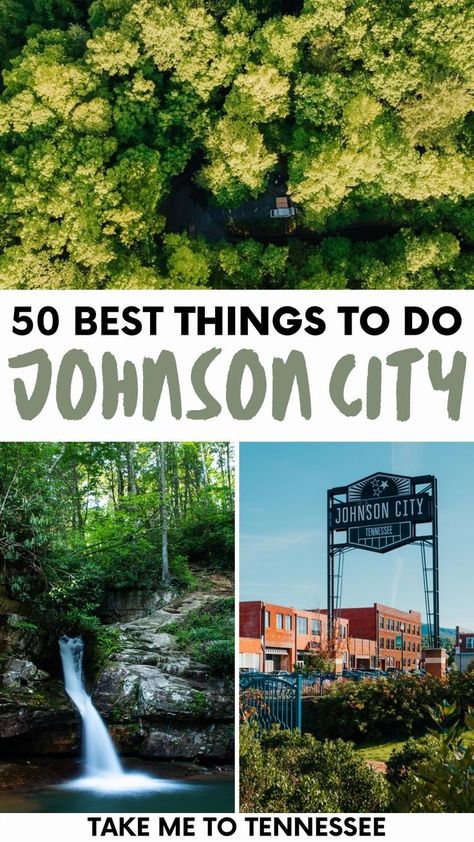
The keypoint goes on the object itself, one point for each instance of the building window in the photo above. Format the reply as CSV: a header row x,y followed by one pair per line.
x,y
279,621
469,642
418,647
302,625
397,625
342,631
413,647
392,625
382,643
288,622
315,627
267,619
409,662
382,622
418,631
392,643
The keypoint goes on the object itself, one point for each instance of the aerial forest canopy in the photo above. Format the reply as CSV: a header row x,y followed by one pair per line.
x,y
79,521
143,142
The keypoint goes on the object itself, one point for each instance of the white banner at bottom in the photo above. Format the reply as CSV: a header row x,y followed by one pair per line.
x,y
82,827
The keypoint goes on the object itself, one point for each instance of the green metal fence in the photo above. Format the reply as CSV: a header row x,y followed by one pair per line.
x,y
270,700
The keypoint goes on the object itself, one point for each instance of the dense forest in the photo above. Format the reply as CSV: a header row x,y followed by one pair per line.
x,y
81,520
116,583
143,142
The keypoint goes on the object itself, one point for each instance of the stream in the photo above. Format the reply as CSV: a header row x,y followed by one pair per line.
x,y
197,794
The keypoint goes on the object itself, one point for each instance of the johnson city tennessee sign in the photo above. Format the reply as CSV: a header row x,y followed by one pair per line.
x,y
381,512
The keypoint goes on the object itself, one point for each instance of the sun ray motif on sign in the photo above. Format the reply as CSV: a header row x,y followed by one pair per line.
x,y
379,485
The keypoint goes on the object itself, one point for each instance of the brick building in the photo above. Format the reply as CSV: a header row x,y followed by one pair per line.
x,y
362,652
396,633
276,637
464,649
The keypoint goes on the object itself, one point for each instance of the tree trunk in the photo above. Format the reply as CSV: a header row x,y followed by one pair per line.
x,y
229,476
205,475
77,500
120,486
165,572
176,501
131,477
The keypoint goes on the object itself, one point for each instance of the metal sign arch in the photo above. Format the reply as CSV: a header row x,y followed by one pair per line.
x,y
379,513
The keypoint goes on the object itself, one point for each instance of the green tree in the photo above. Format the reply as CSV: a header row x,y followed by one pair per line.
x,y
78,519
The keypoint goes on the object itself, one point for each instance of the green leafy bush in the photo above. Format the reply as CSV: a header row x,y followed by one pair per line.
x,y
440,776
107,641
285,771
208,635
412,753
181,574
386,709
220,655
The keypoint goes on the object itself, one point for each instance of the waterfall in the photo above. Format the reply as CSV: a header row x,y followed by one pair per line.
x,y
100,757
102,767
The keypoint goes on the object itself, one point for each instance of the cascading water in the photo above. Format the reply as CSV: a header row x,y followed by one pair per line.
x,y
100,757
103,770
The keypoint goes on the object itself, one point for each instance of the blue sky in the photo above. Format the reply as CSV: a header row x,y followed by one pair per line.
x,y
283,526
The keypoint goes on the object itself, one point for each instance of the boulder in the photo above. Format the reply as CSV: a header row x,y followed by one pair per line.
x,y
158,699
124,691
213,741
121,606
19,672
33,722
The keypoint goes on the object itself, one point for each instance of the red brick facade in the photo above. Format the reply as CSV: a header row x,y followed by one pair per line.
x,y
465,641
390,629
275,637
362,653
464,649
284,634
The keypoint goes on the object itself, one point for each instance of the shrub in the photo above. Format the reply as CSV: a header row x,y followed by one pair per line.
x,y
286,771
220,656
208,635
107,641
460,690
387,709
181,573
440,779
412,753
